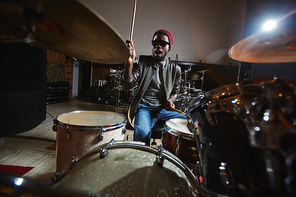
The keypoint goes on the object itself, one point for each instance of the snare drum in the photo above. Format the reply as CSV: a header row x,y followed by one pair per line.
x,y
130,169
79,132
180,141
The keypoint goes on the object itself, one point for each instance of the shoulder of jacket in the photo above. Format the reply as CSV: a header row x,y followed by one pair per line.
x,y
174,65
145,60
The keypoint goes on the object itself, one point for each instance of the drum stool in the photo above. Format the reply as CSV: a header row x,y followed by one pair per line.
x,y
156,131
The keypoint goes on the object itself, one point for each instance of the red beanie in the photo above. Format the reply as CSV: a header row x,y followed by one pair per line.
x,y
165,32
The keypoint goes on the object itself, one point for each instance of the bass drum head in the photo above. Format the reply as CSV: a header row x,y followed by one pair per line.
x,y
91,118
131,169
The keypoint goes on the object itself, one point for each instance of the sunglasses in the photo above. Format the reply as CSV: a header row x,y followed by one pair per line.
x,y
161,43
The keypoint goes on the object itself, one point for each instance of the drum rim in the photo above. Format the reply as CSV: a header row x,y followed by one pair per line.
x,y
138,146
179,133
83,127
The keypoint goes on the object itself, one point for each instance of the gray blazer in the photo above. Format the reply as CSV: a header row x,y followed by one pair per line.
x,y
143,72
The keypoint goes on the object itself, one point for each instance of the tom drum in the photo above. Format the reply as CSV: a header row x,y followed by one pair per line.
x,y
79,132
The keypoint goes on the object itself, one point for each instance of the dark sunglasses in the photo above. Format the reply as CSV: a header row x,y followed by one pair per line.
x,y
161,43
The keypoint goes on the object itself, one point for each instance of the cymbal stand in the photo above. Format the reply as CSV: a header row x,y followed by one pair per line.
x,y
202,80
186,75
183,99
118,88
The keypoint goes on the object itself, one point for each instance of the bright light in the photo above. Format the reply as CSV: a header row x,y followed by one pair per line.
x,y
18,181
269,25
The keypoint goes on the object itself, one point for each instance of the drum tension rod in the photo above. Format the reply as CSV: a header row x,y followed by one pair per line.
x,y
104,151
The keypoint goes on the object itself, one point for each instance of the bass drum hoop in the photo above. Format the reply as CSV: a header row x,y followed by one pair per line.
x,y
138,146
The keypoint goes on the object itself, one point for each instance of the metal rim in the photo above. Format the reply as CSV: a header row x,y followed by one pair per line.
x,y
81,127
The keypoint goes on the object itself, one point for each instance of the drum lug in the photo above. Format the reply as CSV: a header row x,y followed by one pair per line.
x,y
104,150
123,130
68,134
226,175
160,158
100,135
55,124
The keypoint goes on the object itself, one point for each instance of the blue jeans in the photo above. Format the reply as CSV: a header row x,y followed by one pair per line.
x,y
146,118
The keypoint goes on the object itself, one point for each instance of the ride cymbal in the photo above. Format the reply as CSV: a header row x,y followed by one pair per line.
x,y
275,46
66,26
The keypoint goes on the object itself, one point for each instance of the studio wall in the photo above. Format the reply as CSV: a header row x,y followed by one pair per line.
x,y
202,30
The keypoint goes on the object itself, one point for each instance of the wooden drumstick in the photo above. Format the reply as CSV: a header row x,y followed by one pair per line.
x,y
176,110
133,21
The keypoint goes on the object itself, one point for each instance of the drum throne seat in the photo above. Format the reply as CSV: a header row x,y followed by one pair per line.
x,y
156,131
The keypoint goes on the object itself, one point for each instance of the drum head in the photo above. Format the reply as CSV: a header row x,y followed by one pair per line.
x,y
179,126
91,118
129,171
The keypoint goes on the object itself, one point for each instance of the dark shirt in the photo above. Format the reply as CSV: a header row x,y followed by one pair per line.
x,y
155,93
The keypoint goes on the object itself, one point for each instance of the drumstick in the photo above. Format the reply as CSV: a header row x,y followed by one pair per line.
x,y
176,110
133,21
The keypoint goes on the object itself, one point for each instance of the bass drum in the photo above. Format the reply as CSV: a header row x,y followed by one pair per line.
x,y
130,169
247,138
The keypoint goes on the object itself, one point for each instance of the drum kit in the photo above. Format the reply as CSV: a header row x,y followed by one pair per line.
x,y
188,88
238,139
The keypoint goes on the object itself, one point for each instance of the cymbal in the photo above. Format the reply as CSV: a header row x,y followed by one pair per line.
x,y
275,46
68,27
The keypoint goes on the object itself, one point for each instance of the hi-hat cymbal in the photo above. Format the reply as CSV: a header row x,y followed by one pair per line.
x,y
275,46
68,27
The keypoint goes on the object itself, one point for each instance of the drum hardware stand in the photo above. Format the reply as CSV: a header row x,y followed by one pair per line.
x,y
118,88
239,70
186,75
104,151
202,80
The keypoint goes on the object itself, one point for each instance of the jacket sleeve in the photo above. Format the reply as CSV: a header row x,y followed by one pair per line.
x,y
129,84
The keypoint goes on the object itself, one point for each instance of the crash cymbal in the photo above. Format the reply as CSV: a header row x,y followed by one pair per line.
x,y
66,26
275,46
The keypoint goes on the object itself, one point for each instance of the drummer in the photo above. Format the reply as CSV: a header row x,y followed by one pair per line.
x,y
158,85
